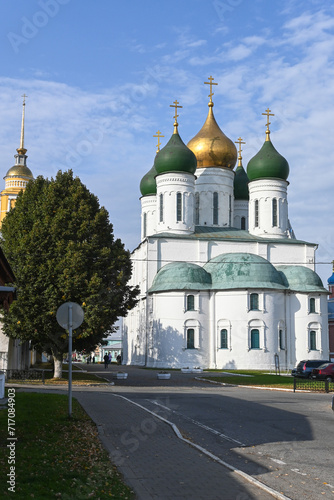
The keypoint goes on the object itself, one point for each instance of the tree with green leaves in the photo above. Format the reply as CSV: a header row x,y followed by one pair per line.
x,y
60,245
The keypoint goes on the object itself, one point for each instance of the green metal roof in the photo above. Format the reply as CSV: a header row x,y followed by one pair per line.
x,y
301,279
231,271
240,186
243,270
228,233
181,276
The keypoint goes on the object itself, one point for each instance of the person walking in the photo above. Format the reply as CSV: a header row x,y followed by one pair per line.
x,y
106,360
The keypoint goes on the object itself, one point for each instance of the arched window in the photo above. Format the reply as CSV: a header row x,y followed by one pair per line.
x,y
256,208
223,339
179,207
313,340
255,339
254,302
215,208
161,208
281,339
190,303
243,222
274,212
190,338
312,305
197,209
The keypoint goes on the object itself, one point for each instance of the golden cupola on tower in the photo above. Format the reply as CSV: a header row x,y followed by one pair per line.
x,y
17,176
211,146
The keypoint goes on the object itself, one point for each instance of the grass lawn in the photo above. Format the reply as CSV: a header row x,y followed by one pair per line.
x,y
259,378
56,457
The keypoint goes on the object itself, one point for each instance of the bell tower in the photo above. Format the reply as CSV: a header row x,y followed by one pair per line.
x,y
17,176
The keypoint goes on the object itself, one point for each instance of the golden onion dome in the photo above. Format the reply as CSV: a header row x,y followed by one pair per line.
x,y
211,146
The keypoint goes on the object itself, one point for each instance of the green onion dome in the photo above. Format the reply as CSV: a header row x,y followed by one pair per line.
x,y
175,157
148,185
267,163
241,184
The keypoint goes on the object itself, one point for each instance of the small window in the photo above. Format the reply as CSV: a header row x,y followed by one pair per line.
x,y
274,212
254,302
312,305
161,211
145,225
179,207
256,207
230,211
243,222
197,209
313,341
190,303
190,338
281,340
223,339
255,339
215,208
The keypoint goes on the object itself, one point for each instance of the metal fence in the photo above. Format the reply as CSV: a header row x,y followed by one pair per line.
x,y
23,375
312,385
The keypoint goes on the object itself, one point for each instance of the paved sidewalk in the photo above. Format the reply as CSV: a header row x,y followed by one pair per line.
x,y
154,462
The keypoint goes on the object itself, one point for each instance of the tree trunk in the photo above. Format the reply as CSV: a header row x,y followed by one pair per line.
x,y
58,365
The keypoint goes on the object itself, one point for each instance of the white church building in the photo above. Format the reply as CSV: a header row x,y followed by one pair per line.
x,y
223,281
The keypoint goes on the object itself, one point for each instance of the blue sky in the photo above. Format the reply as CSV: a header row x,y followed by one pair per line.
x,y
100,77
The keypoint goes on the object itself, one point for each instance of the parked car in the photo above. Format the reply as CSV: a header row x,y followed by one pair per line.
x,y
305,367
324,372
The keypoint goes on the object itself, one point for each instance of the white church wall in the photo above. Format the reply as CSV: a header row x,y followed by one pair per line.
x,y
233,307
170,322
291,254
306,322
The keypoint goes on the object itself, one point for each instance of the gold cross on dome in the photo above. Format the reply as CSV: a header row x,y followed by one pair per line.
x,y
158,135
268,113
175,105
239,141
210,82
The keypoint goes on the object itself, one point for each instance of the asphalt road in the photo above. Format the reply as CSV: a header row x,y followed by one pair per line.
x,y
283,439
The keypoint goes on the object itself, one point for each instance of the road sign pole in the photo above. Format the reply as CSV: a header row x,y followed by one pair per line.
x,y
70,324
70,316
